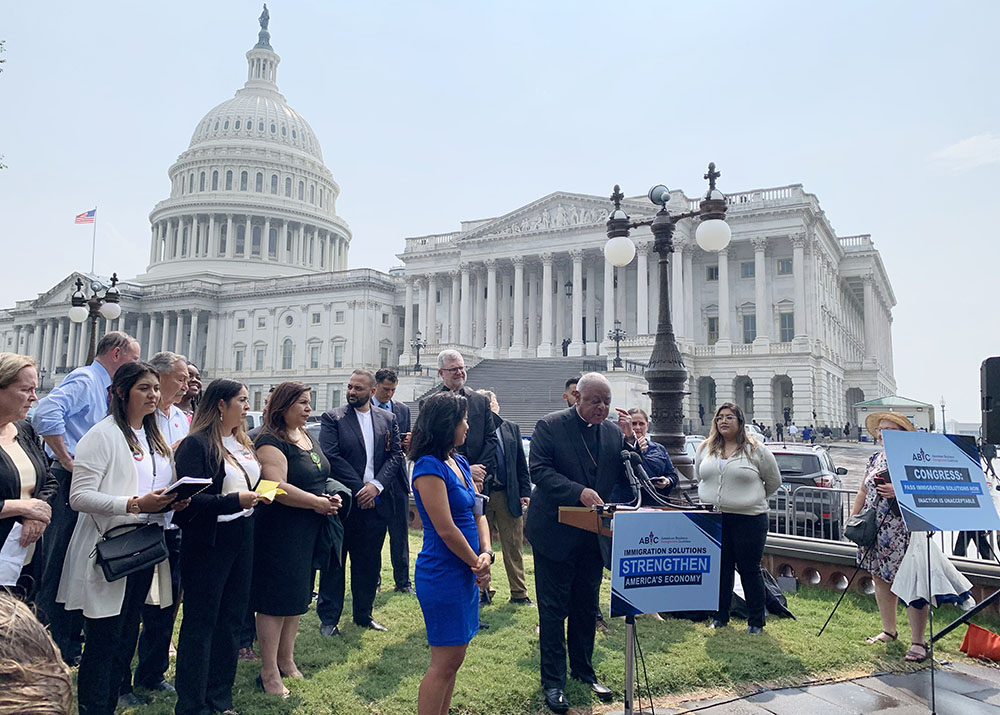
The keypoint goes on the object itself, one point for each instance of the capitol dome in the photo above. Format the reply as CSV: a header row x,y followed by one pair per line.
x,y
251,196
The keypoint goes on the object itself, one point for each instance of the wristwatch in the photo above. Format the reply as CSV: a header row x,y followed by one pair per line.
x,y
493,557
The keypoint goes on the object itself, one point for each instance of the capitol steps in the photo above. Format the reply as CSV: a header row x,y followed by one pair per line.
x,y
527,388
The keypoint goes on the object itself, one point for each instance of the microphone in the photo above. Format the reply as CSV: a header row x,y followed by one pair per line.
x,y
633,481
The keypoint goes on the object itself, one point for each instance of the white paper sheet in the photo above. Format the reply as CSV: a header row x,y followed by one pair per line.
x,y
12,557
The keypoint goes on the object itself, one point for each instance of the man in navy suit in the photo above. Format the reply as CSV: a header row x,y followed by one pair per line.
x,y
399,519
362,445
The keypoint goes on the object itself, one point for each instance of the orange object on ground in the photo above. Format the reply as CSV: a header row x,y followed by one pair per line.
x,y
981,643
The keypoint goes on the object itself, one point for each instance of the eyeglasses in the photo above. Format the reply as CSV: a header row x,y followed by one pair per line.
x,y
454,370
725,418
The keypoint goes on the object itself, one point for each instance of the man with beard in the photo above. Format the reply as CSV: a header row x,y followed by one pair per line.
x,y
575,461
363,447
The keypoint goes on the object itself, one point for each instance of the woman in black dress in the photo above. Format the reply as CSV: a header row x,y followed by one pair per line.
x,y
286,532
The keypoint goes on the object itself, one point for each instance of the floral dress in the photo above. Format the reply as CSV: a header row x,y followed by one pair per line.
x,y
884,557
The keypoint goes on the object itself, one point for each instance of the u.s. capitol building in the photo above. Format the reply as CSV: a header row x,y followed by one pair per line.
x,y
248,276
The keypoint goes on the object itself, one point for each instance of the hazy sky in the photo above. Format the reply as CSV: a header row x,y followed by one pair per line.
x,y
431,113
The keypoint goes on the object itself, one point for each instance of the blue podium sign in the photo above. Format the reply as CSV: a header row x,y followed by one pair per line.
x,y
664,561
939,482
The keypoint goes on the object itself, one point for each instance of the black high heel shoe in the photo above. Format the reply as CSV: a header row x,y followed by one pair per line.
x,y
260,684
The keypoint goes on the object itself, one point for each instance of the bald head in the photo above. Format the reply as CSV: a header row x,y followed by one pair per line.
x,y
595,398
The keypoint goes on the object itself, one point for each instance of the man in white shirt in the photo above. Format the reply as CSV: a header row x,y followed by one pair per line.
x,y
157,622
363,447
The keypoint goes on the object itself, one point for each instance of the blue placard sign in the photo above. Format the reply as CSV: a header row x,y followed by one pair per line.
x,y
939,482
664,561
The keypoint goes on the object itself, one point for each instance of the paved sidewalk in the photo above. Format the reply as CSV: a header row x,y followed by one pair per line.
x,y
962,689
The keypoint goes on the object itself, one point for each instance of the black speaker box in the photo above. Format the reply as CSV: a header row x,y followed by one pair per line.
x,y
990,374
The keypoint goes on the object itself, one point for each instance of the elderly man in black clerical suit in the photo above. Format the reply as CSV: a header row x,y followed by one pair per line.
x,y
362,444
575,460
480,446
399,519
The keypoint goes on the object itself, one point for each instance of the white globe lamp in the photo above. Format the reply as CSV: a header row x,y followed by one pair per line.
x,y
713,234
619,251
78,313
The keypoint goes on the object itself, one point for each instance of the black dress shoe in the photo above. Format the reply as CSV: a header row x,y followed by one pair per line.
x,y
524,601
555,700
600,690
601,625
754,630
329,631
162,686
131,700
374,625
716,623
483,625
485,598
405,589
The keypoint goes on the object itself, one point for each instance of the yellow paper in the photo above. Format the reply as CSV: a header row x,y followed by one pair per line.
x,y
268,490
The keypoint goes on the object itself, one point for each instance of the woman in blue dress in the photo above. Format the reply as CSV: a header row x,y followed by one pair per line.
x,y
455,560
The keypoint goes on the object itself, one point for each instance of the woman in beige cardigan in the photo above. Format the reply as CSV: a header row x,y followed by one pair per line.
x,y
737,474
119,455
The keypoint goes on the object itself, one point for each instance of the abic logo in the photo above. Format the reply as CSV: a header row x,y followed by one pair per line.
x,y
921,456
651,539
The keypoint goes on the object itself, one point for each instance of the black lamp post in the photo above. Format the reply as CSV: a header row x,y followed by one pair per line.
x,y
417,343
106,306
944,429
617,334
666,374
42,372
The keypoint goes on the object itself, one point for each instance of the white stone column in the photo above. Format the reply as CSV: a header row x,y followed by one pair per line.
x,y
677,311
642,289
465,308
83,344
57,353
265,240
761,306
545,346
139,320
517,344
154,328
46,351
192,351
404,358
230,237
154,241
505,311
798,271
691,329
430,314
590,310
609,307
179,335
532,344
165,332
725,329
454,320
871,349
212,249
654,290
479,336
490,350
576,329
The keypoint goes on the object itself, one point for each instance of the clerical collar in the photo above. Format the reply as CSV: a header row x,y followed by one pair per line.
x,y
585,423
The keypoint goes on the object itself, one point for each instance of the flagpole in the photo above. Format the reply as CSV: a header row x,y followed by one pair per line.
x,y
93,244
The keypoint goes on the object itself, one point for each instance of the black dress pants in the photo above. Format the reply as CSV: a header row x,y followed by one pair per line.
x,y
157,626
568,590
109,648
216,593
364,535
65,626
743,540
399,538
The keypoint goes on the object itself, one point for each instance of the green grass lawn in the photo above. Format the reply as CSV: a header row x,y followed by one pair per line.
x,y
366,672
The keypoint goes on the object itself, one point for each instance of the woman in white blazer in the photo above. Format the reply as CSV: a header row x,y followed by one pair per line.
x,y
112,466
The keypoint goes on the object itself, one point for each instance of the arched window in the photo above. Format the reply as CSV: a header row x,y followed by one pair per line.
x,y
201,182
241,240
286,354
225,124
302,190
272,243
284,130
184,242
312,193
229,180
216,125
288,187
243,180
274,183
321,197
260,126
237,127
295,134
274,128
260,182
191,183
255,242
215,181
223,235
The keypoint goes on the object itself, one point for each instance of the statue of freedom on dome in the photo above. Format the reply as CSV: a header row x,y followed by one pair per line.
x,y
264,18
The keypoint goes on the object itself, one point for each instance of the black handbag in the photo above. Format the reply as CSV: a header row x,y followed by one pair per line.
x,y
122,554
862,528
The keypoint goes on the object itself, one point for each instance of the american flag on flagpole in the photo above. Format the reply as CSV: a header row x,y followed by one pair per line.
x,y
86,217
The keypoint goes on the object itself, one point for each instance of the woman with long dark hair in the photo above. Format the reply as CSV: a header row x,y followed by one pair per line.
x,y
736,474
455,560
287,531
217,548
121,456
